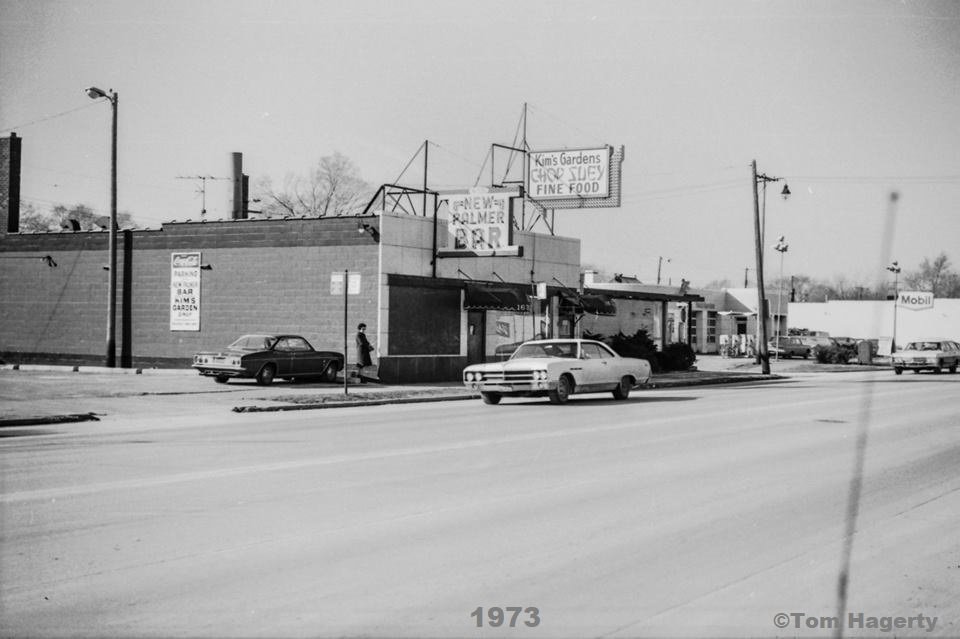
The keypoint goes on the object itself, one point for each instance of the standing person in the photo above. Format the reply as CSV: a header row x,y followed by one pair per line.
x,y
363,350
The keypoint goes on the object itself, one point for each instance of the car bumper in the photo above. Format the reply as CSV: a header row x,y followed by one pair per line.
x,y
222,371
530,386
916,365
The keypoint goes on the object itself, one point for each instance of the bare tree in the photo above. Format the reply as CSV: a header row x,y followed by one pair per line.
x,y
935,276
33,221
332,188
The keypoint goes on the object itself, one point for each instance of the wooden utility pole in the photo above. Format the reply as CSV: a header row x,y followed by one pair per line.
x,y
764,354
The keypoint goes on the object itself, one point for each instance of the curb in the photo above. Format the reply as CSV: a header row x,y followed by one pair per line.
x,y
365,402
740,379
50,419
61,368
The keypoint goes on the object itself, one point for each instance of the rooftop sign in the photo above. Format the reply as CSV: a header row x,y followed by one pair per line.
x,y
479,222
572,173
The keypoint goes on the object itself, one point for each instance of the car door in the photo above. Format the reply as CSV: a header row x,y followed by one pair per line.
x,y
596,366
303,359
281,356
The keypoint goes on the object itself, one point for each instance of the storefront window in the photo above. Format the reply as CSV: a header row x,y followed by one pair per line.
x,y
711,327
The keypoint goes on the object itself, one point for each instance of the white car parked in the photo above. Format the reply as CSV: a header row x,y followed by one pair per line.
x,y
557,368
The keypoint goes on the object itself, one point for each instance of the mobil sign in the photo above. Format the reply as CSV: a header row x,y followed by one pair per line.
x,y
915,300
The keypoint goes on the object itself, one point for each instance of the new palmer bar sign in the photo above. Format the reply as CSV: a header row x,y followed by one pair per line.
x,y
479,222
185,291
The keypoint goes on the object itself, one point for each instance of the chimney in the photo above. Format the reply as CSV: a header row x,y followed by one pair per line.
x,y
239,210
10,184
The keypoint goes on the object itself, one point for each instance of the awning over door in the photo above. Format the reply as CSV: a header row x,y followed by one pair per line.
x,y
592,303
483,297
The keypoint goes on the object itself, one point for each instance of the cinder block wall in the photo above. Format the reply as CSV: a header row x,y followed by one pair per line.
x,y
267,275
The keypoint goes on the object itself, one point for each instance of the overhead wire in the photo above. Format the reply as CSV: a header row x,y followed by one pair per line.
x,y
49,117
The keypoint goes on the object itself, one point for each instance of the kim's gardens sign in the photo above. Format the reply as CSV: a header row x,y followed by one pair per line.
x,y
572,173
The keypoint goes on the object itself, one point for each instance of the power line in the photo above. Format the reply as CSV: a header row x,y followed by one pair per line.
x,y
49,117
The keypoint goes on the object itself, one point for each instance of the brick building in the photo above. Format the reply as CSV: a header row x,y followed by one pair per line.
x,y
429,312
426,320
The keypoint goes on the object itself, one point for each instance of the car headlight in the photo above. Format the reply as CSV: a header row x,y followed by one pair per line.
x,y
468,377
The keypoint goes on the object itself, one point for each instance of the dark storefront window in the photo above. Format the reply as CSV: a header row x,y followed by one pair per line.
x,y
424,321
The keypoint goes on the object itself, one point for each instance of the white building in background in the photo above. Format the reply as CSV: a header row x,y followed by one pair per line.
x,y
875,319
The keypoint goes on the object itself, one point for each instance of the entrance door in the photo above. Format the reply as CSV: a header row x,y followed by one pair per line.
x,y
476,330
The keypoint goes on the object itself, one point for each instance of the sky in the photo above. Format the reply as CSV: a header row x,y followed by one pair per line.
x,y
847,101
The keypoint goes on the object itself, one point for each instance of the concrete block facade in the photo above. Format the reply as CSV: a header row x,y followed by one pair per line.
x,y
266,275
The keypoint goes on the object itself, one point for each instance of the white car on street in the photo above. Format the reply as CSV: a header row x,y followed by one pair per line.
x,y
557,368
933,354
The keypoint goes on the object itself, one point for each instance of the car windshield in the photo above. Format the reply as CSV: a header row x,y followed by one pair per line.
x,y
923,346
547,349
254,343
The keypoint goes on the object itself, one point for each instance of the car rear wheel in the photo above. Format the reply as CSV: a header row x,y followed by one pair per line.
x,y
562,392
266,374
898,371
330,373
953,368
221,379
622,391
491,398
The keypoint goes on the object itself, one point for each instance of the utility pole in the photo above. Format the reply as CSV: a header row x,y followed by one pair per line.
x,y
762,351
763,354
659,265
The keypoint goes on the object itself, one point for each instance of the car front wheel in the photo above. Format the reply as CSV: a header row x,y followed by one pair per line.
x,y
221,379
562,393
491,398
622,391
266,374
898,371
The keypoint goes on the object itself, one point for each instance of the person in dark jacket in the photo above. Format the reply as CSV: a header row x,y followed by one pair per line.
x,y
363,350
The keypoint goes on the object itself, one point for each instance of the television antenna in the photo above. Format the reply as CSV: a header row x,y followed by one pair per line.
x,y
202,190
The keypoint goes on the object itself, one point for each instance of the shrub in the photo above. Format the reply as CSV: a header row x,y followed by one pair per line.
x,y
677,357
830,354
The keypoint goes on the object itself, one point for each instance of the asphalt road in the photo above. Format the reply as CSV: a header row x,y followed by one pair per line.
x,y
701,511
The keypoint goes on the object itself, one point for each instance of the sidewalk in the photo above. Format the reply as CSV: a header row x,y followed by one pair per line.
x,y
48,394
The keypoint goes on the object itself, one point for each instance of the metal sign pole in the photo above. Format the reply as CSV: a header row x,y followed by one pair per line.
x,y
346,276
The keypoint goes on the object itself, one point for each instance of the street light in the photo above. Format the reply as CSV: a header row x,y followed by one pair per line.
x,y
895,269
763,355
781,247
111,361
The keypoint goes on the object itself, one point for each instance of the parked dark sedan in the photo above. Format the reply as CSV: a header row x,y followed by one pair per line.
x,y
265,357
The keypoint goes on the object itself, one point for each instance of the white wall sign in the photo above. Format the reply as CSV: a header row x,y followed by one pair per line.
x,y
569,174
915,300
336,283
185,291
480,220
